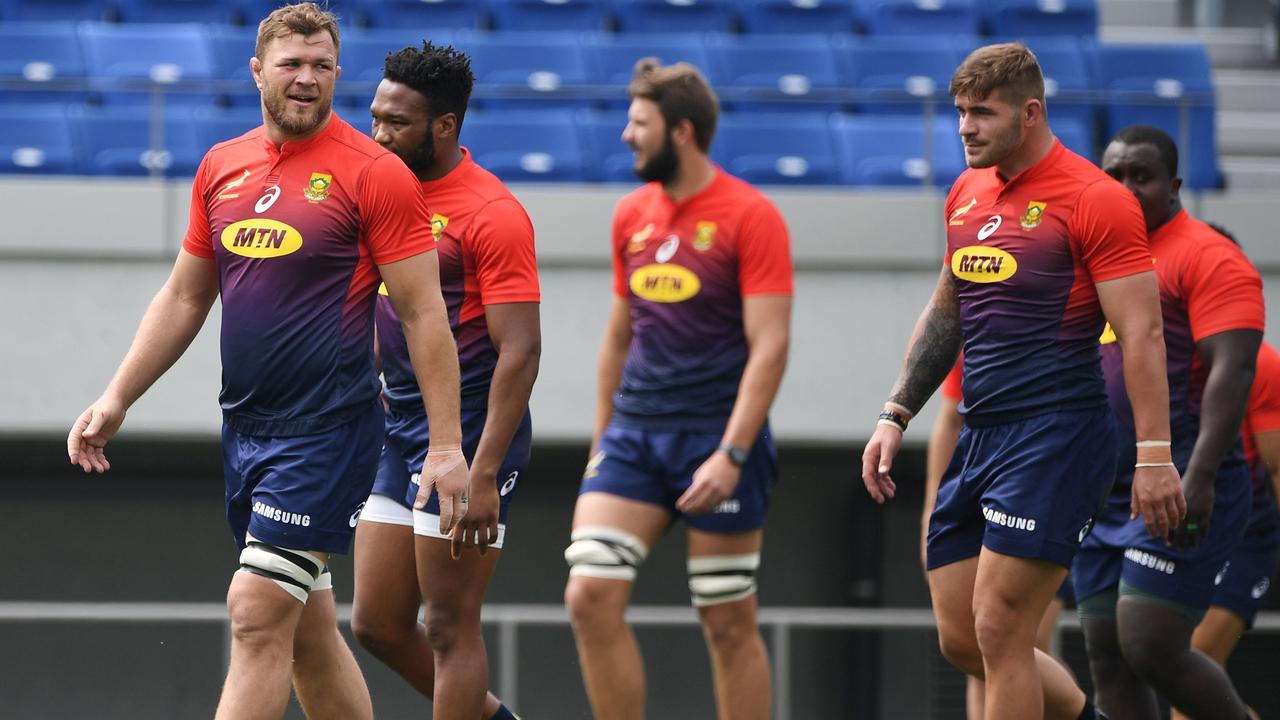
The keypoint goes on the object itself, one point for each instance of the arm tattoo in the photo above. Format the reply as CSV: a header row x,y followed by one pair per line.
x,y
935,345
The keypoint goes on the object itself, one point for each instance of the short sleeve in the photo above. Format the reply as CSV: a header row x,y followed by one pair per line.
x,y
619,266
764,253
199,238
1109,233
1263,413
951,388
1222,290
393,211
502,245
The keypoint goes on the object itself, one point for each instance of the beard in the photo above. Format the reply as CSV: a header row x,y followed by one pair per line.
x,y
998,148
662,167
289,120
421,158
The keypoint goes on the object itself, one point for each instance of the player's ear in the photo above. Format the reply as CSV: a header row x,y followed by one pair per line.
x,y
447,126
1174,186
682,132
1033,111
255,67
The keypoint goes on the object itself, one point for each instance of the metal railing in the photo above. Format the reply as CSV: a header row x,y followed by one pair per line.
x,y
509,618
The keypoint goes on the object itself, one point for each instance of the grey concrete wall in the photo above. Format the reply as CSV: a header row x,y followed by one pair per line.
x,y
80,259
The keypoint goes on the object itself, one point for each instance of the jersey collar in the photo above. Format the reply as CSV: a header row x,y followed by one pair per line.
x,y
1178,220
1049,160
459,171
293,147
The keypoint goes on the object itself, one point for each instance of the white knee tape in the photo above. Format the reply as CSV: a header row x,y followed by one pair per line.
x,y
605,552
297,572
715,579
324,582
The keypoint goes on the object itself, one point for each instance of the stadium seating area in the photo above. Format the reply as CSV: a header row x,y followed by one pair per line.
x,y
814,91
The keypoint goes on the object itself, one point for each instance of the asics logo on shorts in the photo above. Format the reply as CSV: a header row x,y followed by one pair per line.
x,y
1261,588
1217,580
1084,531
355,516
1010,521
510,483
284,516
1147,560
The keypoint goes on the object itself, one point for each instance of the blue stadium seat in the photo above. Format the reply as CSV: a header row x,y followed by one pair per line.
x,y
117,141
602,137
363,57
36,139
919,17
49,10
796,16
442,14
890,151
1076,136
175,11
1067,64
42,60
777,148
534,145
176,57
526,69
900,74
663,16
215,125
1033,18
253,11
1157,85
776,72
613,57
547,15
231,48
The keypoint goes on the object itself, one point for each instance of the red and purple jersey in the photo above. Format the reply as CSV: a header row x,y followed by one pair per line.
x,y
485,241
297,233
1207,286
1026,254
685,268
952,387
1263,412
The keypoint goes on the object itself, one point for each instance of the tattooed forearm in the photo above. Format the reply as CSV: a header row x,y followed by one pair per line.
x,y
934,346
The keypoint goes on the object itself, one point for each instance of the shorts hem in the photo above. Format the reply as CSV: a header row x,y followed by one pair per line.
x,y
1048,551
317,541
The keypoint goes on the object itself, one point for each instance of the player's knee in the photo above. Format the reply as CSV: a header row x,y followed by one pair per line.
x,y
729,626
595,603
721,579
376,633
1150,652
961,650
446,624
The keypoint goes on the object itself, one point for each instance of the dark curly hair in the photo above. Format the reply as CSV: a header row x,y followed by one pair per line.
x,y
1157,138
440,73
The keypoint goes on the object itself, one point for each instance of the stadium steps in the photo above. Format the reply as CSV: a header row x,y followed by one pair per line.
x,y
1249,127
1138,13
1228,47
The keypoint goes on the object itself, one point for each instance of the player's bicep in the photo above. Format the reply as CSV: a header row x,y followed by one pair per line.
x,y
413,284
766,319
1234,351
617,334
194,279
1268,445
514,327
1131,305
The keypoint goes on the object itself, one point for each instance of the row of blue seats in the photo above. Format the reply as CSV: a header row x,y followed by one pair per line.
x,y
534,145
995,17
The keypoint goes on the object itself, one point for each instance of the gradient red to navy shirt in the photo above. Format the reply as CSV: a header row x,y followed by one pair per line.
x,y
685,268
486,246
1025,254
1263,413
298,270
1207,286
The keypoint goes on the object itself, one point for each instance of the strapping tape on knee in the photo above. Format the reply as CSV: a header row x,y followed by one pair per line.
x,y
605,552
297,572
715,579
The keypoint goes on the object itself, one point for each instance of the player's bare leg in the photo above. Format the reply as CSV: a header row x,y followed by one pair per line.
x,y
952,589
452,592
739,663
976,689
326,677
612,669
384,618
263,620
1011,595
1217,636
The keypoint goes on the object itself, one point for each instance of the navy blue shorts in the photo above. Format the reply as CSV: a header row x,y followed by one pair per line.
x,y
1247,576
303,492
407,440
1029,488
1121,549
656,467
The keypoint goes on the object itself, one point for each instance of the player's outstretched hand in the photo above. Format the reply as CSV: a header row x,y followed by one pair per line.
x,y
713,483
1157,497
1198,489
877,461
479,527
90,433
445,472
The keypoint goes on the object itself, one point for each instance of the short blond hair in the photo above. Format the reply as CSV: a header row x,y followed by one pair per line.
x,y
681,93
1008,69
305,18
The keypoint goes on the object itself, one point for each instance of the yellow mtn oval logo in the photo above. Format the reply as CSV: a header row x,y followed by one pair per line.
x,y
261,238
982,264
665,283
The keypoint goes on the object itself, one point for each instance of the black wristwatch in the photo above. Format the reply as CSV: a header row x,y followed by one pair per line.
x,y
737,455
